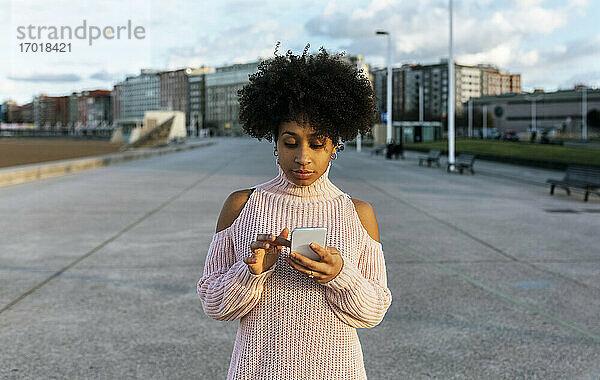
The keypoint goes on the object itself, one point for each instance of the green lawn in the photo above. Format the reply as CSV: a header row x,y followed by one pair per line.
x,y
537,152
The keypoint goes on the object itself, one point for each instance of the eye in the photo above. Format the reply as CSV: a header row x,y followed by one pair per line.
x,y
317,146
291,145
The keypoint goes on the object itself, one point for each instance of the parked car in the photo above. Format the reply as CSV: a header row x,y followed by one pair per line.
x,y
510,135
491,133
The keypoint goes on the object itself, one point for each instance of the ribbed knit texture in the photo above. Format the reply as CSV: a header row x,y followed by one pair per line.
x,y
292,327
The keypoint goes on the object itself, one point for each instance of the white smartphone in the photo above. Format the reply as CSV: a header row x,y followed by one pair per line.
x,y
302,237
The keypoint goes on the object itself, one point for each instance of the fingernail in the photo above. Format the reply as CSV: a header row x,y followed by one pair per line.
x,y
312,244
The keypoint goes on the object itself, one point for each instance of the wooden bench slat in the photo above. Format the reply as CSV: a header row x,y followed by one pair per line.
x,y
464,161
580,177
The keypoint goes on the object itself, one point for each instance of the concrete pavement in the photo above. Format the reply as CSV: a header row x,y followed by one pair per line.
x,y
98,269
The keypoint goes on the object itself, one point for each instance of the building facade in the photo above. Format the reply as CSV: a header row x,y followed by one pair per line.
x,y
222,106
4,110
116,99
73,113
50,111
197,105
379,81
13,113
94,107
407,80
25,113
557,112
62,111
139,94
175,89
496,82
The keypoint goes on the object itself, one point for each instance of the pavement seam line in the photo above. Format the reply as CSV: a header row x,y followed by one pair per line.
x,y
514,300
106,242
484,243
498,293
405,262
442,221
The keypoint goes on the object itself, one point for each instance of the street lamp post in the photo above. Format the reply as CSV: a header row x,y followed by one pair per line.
x,y
421,103
533,116
450,95
470,131
389,86
584,113
484,131
533,99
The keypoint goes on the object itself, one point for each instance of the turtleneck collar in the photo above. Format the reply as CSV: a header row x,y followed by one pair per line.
x,y
321,188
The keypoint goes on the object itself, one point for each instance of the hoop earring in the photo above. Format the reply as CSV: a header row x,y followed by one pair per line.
x,y
275,153
334,156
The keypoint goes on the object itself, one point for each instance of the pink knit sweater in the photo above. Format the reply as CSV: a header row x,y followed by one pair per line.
x,y
292,327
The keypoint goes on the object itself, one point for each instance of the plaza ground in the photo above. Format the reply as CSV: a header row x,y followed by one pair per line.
x,y
491,276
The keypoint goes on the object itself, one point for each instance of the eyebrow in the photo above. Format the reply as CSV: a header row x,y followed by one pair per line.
x,y
294,134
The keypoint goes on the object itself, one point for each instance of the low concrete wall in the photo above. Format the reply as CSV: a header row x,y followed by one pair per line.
x,y
27,173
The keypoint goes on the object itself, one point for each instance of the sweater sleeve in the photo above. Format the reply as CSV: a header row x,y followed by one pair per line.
x,y
359,295
228,289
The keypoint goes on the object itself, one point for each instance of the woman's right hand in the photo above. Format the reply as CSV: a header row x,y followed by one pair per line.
x,y
265,251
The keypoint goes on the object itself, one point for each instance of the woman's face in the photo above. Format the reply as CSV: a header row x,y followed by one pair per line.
x,y
302,156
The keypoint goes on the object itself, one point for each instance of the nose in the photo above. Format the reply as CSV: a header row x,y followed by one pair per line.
x,y
303,156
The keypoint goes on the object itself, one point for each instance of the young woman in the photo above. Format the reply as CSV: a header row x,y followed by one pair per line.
x,y
298,317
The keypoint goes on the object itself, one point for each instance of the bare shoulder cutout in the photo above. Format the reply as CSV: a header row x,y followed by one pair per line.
x,y
232,207
367,218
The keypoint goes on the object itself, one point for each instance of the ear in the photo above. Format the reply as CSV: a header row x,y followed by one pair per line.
x,y
333,150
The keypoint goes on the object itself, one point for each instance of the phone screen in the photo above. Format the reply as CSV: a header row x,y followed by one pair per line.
x,y
302,237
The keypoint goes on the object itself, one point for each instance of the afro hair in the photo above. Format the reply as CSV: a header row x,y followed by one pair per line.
x,y
322,89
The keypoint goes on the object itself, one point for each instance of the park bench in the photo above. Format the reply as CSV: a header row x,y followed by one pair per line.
x,y
432,157
582,177
396,150
462,162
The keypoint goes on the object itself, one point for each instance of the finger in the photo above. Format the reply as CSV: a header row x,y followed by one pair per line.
x,y
282,239
316,275
259,244
265,237
282,242
322,252
308,263
284,233
259,252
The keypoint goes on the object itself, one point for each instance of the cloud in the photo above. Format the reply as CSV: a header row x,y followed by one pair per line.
x,y
46,77
104,75
591,79
483,30
257,40
574,50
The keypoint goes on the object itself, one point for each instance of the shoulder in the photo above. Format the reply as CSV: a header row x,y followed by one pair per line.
x,y
232,207
366,214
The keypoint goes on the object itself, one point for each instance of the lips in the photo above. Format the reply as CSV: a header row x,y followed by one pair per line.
x,y
302,174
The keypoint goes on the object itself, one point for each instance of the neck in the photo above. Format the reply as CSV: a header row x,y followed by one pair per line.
x,y
321,188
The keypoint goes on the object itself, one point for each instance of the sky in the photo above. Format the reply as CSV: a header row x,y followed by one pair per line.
x,y
553,44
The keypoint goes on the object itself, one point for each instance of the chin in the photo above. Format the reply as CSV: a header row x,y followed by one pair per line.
x,y
302,181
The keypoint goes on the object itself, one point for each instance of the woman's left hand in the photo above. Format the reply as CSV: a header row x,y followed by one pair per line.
x,y
321,271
